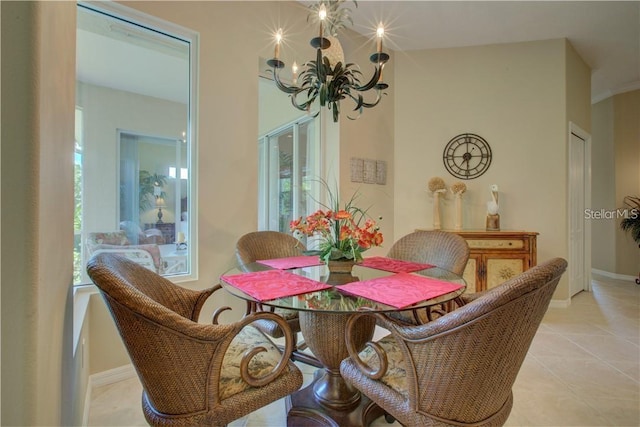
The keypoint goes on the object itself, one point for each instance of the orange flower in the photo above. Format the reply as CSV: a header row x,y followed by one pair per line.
x,y
342,214
339,230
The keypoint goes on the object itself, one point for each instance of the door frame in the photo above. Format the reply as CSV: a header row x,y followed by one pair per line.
x,y
586,137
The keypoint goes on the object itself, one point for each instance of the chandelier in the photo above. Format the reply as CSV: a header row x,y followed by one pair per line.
x,y
328,78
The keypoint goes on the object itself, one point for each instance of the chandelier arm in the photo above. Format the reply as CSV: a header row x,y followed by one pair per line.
x,y
304,106
373,104
360,103
373,82
358,107
356,117
283,87
320,71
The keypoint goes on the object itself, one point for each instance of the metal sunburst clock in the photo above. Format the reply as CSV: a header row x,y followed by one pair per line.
x,y
467,156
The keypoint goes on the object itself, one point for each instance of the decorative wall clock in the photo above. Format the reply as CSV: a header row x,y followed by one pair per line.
x,y
467,156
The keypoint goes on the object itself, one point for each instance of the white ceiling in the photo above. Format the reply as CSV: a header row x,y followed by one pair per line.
x,y
605,33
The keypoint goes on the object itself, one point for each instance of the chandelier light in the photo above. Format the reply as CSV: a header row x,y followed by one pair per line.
x,y
328,78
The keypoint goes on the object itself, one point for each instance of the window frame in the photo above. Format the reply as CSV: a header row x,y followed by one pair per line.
x,y
135,17
268,180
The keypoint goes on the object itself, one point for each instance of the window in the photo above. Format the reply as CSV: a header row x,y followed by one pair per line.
x,y
135,147
77,200
289,172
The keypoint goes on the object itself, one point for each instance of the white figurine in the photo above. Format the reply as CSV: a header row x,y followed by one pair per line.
x,y
493,217
437,186
458,188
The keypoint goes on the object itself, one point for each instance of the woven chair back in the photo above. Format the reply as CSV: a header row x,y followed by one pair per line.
x,y
155,318
467,373
440,248
259,245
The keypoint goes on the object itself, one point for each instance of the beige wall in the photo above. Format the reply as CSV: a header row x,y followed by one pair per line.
x,y
275,108
105,348
513,95
616,174
38,65
370,137
578,89
603,184
626,131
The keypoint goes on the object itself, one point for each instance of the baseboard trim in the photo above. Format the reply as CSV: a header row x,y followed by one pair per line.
x,y
613,275
112,376
87,404
104,378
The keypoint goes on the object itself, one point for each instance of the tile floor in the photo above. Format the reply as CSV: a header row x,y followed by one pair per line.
x,y
583,369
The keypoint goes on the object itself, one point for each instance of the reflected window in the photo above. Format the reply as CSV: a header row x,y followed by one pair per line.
x,y
134,89
289,165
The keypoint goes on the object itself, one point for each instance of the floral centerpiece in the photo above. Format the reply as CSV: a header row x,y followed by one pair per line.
x,y
345,231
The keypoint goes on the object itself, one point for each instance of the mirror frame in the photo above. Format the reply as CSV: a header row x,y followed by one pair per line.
x,y
191,37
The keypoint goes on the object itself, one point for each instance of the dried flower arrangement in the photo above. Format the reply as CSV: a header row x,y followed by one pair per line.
x,y
458,187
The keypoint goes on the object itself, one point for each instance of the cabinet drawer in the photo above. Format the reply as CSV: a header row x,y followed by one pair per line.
x,y
508,244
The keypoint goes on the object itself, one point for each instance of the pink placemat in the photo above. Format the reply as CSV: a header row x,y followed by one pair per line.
x,y
393,265
272,284
292,262
400,290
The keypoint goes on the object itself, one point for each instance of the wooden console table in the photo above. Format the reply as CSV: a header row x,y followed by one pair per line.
x,y
496,256
168,230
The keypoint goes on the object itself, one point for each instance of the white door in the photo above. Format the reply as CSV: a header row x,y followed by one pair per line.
x,y
578,185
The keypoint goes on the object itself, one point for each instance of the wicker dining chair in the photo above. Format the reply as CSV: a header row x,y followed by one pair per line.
x,y
262,245
459,369
440,248
191,373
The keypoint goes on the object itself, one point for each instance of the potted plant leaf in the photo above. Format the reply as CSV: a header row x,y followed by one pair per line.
x,y
631,221
148,193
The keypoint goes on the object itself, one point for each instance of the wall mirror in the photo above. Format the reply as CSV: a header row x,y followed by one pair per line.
x,y
289,158
135,147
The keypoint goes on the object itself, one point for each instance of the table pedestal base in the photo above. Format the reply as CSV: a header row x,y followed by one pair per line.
x,y
304,409
329,400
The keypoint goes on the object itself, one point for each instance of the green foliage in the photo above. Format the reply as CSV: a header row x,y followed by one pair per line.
x,y
329,85
631,223
77,223
77,198
339,226
148,182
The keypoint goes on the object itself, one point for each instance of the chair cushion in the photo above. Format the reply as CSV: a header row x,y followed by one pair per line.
x,y
286,314
407,316
396,375
249,337
129,251
106,238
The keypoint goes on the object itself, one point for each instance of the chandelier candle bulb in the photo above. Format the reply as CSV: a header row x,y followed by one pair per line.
x,y
294,72
322,14
380,34
276,54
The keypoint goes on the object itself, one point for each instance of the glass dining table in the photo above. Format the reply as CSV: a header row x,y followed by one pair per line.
x,y
323,314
